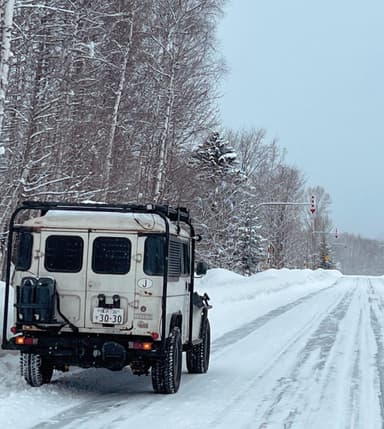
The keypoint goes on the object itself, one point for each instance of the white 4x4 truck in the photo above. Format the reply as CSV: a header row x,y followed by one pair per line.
x,y
100,285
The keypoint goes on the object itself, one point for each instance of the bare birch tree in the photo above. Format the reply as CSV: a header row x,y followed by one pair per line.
x,y
6,23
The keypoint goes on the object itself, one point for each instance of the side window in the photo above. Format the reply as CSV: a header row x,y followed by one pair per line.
x,y
111,255
24,244
154,255
178,257
64,253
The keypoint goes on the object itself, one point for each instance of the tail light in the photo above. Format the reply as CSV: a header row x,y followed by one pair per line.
x,y
26,341
136,345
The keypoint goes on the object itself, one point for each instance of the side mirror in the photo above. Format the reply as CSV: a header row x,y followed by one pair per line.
x,y
201,268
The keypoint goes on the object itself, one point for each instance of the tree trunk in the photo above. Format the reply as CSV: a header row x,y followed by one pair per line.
x,y
115,114
5,51
163,149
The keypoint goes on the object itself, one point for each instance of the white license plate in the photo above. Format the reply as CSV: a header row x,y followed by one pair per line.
x,y
111,316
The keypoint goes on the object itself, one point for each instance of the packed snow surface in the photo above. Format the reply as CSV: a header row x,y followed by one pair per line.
x,y
291,349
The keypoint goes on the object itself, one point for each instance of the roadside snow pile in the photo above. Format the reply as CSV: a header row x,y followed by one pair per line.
x,y
228,286
231,293
9,362
10,309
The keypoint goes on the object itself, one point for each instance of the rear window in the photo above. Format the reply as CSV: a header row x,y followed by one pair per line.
x,y
111,255
64,253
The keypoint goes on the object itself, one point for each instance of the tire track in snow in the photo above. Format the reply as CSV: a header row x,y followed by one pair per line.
x,y
87,409
345,381
317,352
283,383
355,392
377,298
238,334
339,381
348,383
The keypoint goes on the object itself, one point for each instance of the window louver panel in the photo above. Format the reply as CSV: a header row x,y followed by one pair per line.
x,y
174,259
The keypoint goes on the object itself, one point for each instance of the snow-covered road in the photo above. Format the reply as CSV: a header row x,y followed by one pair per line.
x,y
292,349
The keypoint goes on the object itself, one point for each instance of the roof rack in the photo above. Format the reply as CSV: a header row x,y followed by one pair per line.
x,y
173,214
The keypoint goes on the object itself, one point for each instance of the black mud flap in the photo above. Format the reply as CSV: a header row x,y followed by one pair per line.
x,y
114,355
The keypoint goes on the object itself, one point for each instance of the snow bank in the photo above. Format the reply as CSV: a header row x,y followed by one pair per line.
x,y
8,360
228,286
231,293
10,309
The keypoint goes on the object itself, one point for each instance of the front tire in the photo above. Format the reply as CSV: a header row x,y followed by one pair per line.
x,y
198,356
166,373
35,369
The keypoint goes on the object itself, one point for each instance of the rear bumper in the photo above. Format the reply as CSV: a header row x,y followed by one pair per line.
x,y
103,351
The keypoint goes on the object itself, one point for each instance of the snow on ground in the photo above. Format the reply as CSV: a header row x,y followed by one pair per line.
x,y
291,349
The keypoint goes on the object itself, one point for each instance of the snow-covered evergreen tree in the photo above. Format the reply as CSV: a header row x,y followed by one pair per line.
x,y
216,159
249,250
325,254
219,182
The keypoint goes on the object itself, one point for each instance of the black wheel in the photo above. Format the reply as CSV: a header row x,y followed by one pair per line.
x,y
198,356
166,373
35,369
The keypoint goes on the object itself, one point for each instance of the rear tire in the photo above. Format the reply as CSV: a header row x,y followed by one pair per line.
x,y
35,369
198,356
166,373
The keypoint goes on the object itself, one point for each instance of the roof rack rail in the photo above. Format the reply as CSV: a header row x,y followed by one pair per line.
x,y
173,214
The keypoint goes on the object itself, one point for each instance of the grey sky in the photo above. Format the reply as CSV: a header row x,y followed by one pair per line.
x,y
312,74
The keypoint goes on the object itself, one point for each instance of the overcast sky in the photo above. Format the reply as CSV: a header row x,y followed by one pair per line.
x,y
312,74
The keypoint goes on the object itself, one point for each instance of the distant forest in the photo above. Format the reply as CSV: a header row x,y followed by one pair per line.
x,y
117,101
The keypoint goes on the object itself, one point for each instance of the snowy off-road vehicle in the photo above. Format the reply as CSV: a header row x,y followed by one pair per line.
x,y
100,285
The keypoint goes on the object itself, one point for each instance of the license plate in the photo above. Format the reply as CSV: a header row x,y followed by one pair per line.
x,y
111,316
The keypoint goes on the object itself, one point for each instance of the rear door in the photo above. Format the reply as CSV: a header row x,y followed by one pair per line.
x,y
63,256
110,286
